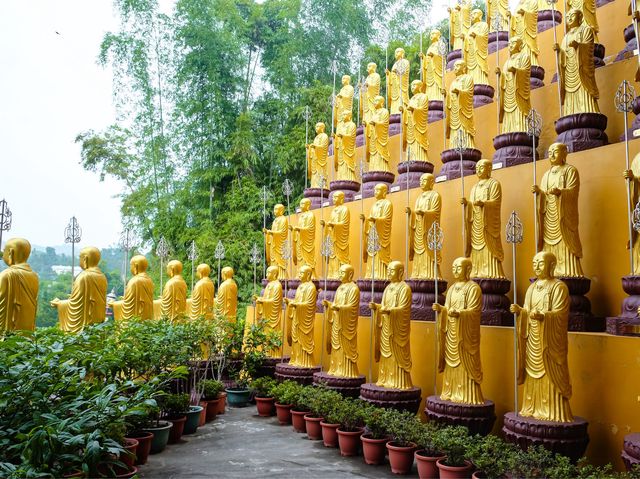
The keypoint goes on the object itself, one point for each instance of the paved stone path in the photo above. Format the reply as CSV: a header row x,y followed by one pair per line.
x,y
240,444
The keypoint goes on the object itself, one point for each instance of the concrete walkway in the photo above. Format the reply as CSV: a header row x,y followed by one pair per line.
x,y
240,444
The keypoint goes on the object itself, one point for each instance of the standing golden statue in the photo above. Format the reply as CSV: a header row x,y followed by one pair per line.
x,y
543,347
426,211
392,317
275,239
200,304
18,288
476,49
304,237
417,123
345,157
524,24
588,10
578,88
300,313
138,295
460,108
344,99
515,87
498,7
226,303
558,213
372,90
338,231
633,175
484,240
459,337
456,33
317,153
88,301
269,306
342,316
380,218
432,68
398,78
379,155
173,303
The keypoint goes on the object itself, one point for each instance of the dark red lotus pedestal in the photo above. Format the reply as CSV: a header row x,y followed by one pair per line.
x,y
513,149
635,124
400,399
537,77
628,323
495,305
268,366
580,316
498,40
349,188
546,19
452,57
631,44
317,196
631,450
478,418
395,124
289,287
566,438
582,131
365,293
371,178
423,294
482,95
435,112
328,294
304,376
360,135
598,55
349,387
411,171
451,163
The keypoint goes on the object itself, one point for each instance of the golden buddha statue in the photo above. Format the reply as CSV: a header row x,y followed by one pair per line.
x,y
304,237
459,337
300,313
269,306
588,10
338,230
417,123
515,86
173,303
392,320
524,24
88,301
342,316
275,239
432,68
200,304
465,15
344,99
317,157
541,329
456,33
460,107
226,303
558,213
495,7
18,288
138,295
476,49
379,155
345,157
484,240
578,88
398,83
380,218
372,90
633,174
427,210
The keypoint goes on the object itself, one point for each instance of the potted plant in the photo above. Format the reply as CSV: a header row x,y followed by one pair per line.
x,y
264,399
160,430
211,389
454,443
350,413
300,407
238,394
376,436
314,417
136,419
284,395
331,423
402,428
427,454
492,457
194,415
176,407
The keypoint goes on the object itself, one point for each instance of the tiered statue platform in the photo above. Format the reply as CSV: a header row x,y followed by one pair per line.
x,y
349,188
371,178
411,171
537,77
567,438
395,124
268,367
547,18
478,418
360,136
436,111
452,57
498,41
631,450
635,124
513,149
580,316
400,399
628,323
304,376
317,196
349,387
582,131
365,294
495,304
423,294
482,95
328,294
631,44
451,163
598,55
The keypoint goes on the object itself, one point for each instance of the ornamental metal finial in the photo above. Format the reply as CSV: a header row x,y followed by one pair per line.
x,y
327,247
162,250
435,237
373,241
534,123
624,97
73,232
219,251
287,187
514,229
193,252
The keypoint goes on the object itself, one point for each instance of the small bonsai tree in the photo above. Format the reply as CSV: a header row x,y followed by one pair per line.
x,y
403,427
375,422
454,443
262,386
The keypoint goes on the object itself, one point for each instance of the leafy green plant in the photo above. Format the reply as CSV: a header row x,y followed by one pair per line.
x,y
175,405
349,414
286,392
263,386
402,426
425,438
211,388
454,443
324,404
375,422
491,455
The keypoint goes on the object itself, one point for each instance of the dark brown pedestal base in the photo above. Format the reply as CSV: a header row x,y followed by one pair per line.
x,y
317,196
289,287
328,294
631,450
268,367
631,44
451,163
566,438
349,188
628,323
478,418
582,131
411,171
365,293
513,149
360,135
598,55
546,19
400,399
452,57
371,178
349,387
580,316
395,124
423,294
635,123
482,95
304,376
498,40
435,112
537,77
495,305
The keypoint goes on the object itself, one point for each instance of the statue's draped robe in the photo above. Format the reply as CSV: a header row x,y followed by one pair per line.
x,y
343,325
398,86
459,348
379,147
588,9
344,102
200,304
300,325
516,93
498,6
138,299
432,72
270,309
339,233
476,53
275,242
226,303
578,87
382,210
372,90
317,159
635,197
87,303
542,352
346,152
173,303
460,112
525,25
305,242
430,203
455,29
18,298
417,134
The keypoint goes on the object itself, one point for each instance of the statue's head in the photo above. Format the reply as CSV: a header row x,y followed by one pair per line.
x,y
305,204
476,15
417,86
304,274
272,273
346,79
371,67
515,44
435,35
483,169
574,18
544,264
174,268
338,198
278,210
89,257
345,116
139,264
427,180
380,191
378,102
395,271
399,53
319,127
227,273
203,270
346,273
461,269
558,154
460,67
16,251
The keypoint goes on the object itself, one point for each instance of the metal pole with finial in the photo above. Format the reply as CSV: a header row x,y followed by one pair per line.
x,y
362,220
162,252
5,218
326,251
496,23
443,50
334,70
265,196
287,190
255,257
408,210
192,255
556,49
435,240
307,116
127,241
373,246
286,255
73,235
323,184
534,128
514,237
218,254
460,146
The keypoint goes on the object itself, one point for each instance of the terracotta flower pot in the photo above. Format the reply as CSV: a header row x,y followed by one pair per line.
x,y
131,446
400,457
193,420
223,402
264,406
144,446
349,442
454,472
160,436
329,434
314,430
297,420
178,428
212,408
373,450
283,412
118,472
203,414
427,468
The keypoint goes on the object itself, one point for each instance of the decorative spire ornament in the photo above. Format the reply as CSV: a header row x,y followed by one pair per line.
x,y
514,237
73,235
435,241
534,127
218,254
373,246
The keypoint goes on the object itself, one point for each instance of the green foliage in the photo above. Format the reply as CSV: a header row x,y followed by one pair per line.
x,y
402,426
492,455
349,413
211,388
425,438
263,386
286,392
375,421
175,405
454,443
